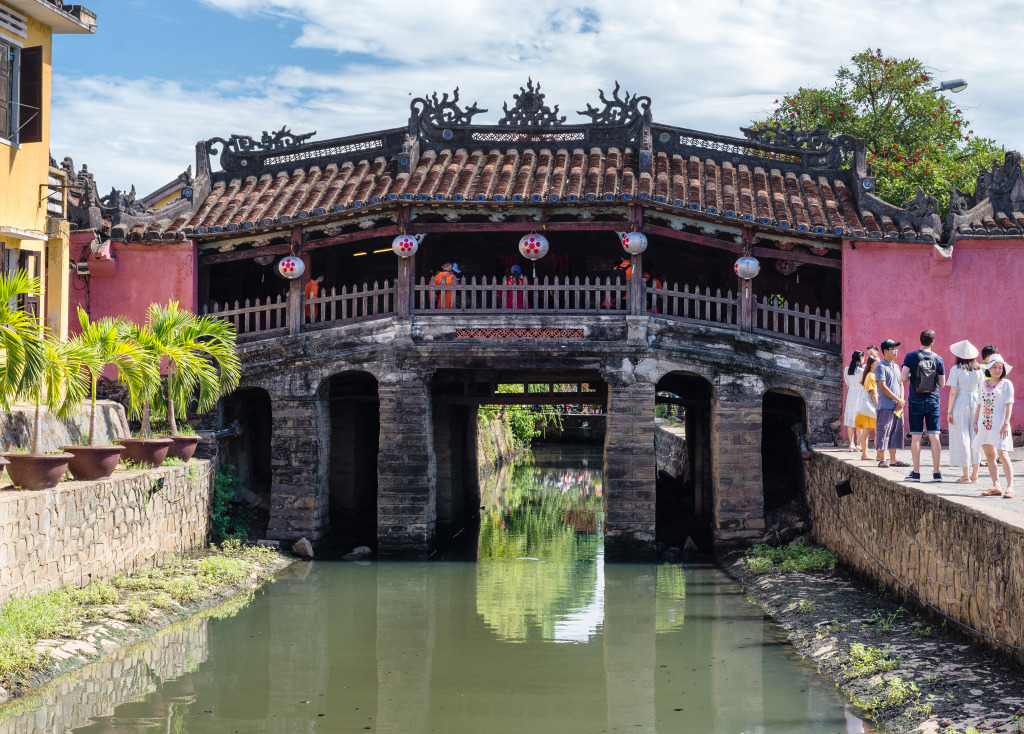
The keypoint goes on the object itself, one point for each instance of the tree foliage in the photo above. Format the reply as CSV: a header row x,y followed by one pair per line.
x,y
915,135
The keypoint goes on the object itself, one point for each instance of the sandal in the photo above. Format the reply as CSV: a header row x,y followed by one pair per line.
x,y
1008,494
992,492
963,480
899,463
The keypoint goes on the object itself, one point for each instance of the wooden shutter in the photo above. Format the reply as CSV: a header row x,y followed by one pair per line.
x,y
5,91
30,263
30,114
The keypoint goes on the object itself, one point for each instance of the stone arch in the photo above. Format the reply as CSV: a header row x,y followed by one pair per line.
x,y
685,481
783,421
353,407
249,452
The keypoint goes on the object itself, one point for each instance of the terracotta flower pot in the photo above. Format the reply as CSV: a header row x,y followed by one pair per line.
x,y
151,451
37,471
183,447
93,462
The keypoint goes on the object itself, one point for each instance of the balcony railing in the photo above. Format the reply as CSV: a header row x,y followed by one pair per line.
x,y
597,296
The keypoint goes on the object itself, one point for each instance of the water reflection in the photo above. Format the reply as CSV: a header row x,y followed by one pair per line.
x,y
459,647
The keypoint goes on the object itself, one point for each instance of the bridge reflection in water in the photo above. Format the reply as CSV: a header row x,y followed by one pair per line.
x,y
537,635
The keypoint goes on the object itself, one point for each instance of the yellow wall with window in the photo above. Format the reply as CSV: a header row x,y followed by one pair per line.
x,y
24,174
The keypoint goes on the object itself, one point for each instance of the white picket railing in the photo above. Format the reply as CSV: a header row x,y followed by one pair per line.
x,y
690,304
793,323
351,304
250,319
537,295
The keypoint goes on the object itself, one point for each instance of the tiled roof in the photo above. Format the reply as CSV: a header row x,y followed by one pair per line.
x,y
751,191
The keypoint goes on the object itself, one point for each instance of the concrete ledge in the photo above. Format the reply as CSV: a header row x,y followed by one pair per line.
x,y
82,531
963,560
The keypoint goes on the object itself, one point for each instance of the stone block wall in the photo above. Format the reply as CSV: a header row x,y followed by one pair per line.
x,y
81,531
670,449
736,457
300,459
630,472
965,563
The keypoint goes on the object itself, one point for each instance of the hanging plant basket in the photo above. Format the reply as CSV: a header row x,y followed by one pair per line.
x,y
151,451
183,446
36,471
91,463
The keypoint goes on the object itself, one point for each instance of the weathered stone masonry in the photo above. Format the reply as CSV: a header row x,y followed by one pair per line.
x,y
300,454
81,531
962,561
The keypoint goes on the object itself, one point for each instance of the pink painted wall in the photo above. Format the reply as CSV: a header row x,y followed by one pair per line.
x,y
896,290
144,274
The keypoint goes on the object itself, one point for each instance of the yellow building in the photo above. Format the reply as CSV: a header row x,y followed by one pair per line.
x,y
33,226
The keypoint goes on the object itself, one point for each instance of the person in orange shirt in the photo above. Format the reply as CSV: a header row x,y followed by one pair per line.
x,y
652,282
311,290
446,277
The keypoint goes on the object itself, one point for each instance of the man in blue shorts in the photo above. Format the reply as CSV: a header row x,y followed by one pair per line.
x,y
889,429
926,374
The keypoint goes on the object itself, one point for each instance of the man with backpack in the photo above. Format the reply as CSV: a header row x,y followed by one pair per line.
x,y
926,374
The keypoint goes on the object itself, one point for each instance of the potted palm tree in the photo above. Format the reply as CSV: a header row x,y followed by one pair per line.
x,y
104,343
145,448
60,388
201,363
21,340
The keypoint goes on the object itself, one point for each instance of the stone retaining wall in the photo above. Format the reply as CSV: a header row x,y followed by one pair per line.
x,y
81,531
670,449
962,561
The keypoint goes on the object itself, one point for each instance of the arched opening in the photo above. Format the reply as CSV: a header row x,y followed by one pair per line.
x,y
783,422
249,451
352,473
683,446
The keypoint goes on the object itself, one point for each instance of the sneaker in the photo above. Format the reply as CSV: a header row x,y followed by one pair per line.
x,y
883,465
914,476
937,477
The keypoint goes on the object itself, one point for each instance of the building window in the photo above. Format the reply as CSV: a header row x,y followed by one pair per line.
x,y
21,94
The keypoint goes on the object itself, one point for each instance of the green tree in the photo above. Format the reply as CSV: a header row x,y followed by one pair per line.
x,y
200,358
58,385
103,343
22,351
915,135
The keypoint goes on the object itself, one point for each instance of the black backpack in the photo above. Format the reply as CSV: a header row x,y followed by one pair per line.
x,y
927,372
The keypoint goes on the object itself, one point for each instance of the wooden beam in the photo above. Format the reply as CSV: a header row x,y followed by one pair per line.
x,y
455,227
558,398
223,257
390,230
771,253
697,239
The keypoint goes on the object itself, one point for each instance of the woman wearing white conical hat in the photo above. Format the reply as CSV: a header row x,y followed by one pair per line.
x,y
964,382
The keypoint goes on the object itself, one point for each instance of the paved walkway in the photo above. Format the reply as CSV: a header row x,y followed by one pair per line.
x,y
1007,510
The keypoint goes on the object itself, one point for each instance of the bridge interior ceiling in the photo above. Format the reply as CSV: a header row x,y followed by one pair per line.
x,y
522,387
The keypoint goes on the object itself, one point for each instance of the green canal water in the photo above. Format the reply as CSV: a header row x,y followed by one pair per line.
x,y
536,635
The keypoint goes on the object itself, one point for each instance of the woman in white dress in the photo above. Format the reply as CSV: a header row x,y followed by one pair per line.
x,y
854,395
964,381
992,423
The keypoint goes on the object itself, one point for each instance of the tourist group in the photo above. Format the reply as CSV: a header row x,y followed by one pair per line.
x,y
980,405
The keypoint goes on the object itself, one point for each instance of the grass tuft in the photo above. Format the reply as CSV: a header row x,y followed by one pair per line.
x,y
799,558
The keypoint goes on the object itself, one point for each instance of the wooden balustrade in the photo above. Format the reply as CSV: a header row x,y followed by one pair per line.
x,y
539,295
355,304
252,318
793,323
690,304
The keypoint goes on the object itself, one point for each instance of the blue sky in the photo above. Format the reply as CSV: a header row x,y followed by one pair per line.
x,y
132,101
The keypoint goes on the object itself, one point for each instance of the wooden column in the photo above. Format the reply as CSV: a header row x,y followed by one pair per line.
x,y
637,288
746,300
403,286
295,294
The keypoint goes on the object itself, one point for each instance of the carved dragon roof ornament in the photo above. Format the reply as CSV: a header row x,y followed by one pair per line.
x,y
617,110
530,110
238,149
443,112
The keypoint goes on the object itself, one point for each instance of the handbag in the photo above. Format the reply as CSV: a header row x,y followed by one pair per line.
x,y
866,406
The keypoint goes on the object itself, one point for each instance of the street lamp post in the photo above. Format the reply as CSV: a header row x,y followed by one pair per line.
x,y
951,85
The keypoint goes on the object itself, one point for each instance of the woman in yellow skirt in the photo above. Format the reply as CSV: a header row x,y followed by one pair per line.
x,y
868,408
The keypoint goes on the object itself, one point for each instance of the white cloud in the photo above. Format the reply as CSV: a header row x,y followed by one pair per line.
x,y
710,67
